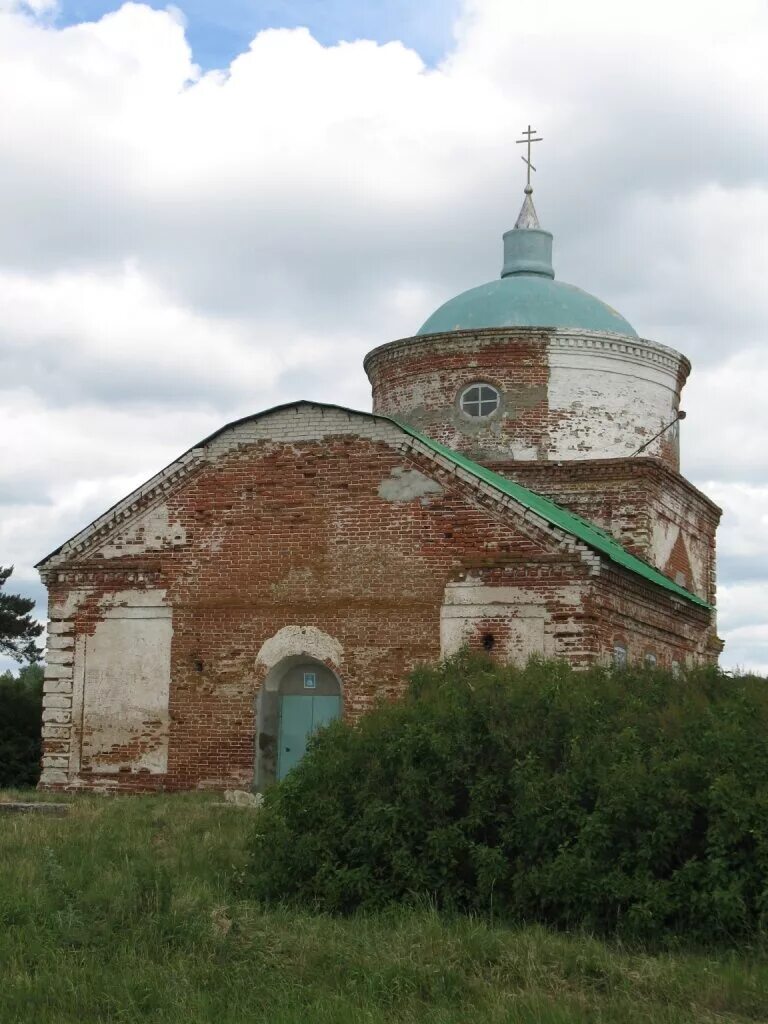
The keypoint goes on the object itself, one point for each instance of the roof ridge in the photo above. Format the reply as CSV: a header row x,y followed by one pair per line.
x,y
593,536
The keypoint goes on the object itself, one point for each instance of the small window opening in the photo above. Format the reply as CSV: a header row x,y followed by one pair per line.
x,y
619,655
489,642
198,665
479,400
650,660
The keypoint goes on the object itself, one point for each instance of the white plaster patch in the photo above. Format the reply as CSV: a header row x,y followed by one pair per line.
x,y
143,599
306,641
614,394
662,541
149,531
216,537
121,685
66,608
407,485
469,603
524,628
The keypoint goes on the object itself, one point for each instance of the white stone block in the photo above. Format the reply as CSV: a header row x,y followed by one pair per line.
x,y
63,716
54,657
56,761
56,732
53,776
58,671
57,700
57,686
55,628
60,643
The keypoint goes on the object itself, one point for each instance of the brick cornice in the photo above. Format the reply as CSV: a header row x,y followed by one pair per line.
x,y
138,501
604,469
602,343
617,580
88,574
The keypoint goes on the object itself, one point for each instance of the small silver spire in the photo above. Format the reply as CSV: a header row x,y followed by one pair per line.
x,y
527,218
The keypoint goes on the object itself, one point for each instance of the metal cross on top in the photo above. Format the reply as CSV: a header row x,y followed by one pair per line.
x,y
530,133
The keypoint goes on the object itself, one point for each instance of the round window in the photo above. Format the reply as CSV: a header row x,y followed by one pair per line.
x,y
480,400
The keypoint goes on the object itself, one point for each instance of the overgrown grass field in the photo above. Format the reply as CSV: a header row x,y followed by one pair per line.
x,y
127,910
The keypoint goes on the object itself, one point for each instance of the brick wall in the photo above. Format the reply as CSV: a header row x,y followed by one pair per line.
x,y
628,611
650,509
564,394
316,521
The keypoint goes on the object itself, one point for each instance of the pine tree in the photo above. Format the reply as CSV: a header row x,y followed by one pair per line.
x,y
21,706
18,630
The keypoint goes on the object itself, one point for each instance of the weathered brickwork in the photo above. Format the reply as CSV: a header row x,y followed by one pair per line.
x,y
627,612
308,532
653,511
421,383
564,394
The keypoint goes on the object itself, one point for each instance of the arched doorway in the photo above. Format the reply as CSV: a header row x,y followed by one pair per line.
x,y
299,695
310,697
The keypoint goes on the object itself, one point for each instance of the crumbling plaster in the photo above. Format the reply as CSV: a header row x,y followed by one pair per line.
x,y
150,531
106,691
125,676
405,484
308,641
524,615
564,394
310,555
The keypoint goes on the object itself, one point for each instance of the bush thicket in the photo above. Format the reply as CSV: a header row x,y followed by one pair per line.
x,y
630,802
21,700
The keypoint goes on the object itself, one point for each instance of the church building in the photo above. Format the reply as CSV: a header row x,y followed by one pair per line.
x,y
515,489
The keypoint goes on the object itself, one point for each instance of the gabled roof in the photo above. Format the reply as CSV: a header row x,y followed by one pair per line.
x,y
592,536
583,530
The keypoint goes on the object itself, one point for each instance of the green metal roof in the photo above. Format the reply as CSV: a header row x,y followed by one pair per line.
x,y
525,300
527,294
591,535
587,532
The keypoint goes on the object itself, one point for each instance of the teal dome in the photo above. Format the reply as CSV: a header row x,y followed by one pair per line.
x,y
525,300
527,294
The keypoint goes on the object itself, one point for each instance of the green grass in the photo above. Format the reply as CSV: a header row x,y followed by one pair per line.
x,y
124,911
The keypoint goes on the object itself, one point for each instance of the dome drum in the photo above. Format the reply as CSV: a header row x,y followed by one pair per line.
x,y
562,394
527,252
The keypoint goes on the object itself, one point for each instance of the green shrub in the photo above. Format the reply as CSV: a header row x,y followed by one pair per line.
x,y
21,700
630,802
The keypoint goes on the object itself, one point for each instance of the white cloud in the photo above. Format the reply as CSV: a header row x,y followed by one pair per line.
x,y
102,333
743,619
180,248
35,8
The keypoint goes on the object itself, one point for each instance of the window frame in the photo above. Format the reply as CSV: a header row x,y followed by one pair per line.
x,y
480,400
619,660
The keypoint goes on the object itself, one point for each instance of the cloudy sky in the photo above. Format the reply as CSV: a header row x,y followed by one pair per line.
x,y
211,208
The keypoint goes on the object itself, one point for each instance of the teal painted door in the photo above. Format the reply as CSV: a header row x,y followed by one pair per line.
x,y
300,716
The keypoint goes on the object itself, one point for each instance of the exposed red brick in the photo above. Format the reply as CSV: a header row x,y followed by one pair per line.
x,y
297,533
